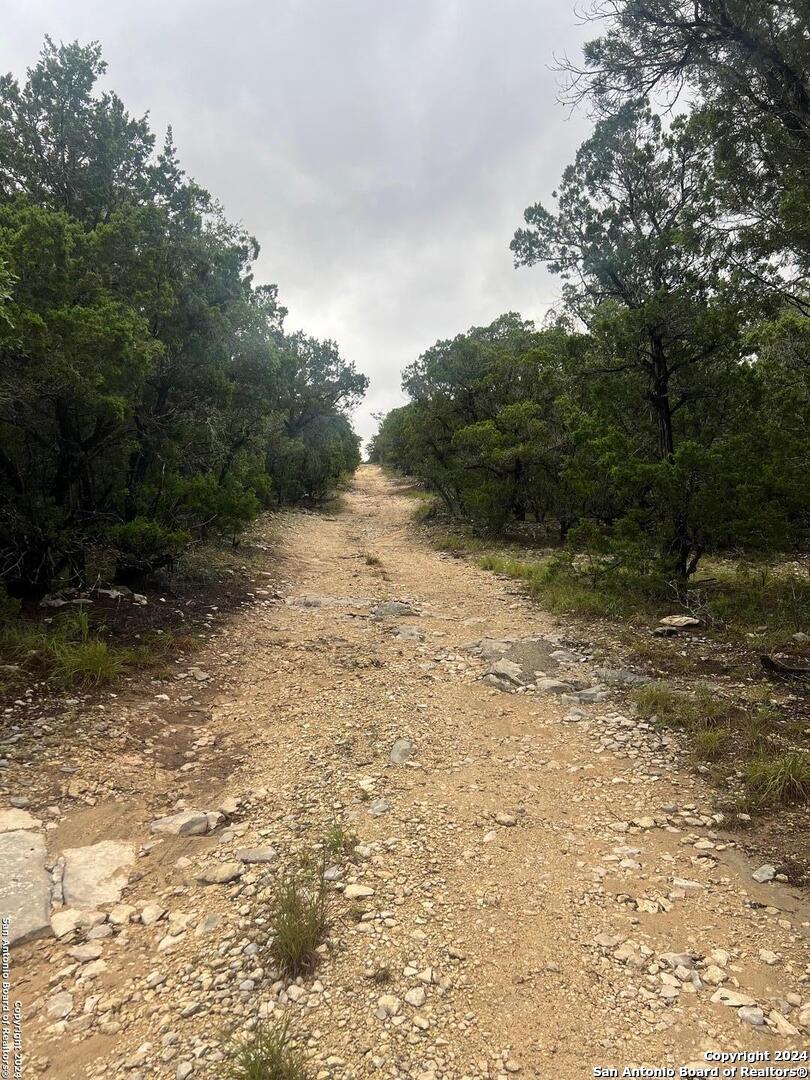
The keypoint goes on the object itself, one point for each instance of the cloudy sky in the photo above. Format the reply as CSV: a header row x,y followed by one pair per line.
x,y
382,151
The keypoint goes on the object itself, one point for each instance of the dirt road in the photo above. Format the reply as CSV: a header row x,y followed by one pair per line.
x,y
550,891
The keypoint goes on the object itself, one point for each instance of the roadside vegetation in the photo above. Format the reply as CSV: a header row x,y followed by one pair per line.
x,y
297,920
150,397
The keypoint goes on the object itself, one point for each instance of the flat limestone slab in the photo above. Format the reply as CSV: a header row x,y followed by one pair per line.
x,y
12,820
96,874
25,886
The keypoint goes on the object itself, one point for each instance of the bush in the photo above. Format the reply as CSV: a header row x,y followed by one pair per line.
x,y
142,546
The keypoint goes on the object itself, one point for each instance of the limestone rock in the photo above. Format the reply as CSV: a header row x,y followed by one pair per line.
x,y
25,892
221,873
257,855
12,820
96,874
401,751
185,823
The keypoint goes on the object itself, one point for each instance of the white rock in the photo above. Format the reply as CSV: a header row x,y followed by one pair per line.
x,y
152,913
59,1006
357,892
12,820
730,998
388,1005
66,920
96,874
766,872
185,823
122,914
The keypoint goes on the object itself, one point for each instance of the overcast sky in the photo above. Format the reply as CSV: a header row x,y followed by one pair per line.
x,y
382,151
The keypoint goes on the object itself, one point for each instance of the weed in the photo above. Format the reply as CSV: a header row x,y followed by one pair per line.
x,y
562,592
775,781
339,842
752,598
267,1055
297,920
86,663
698,711
710,744
372,560
453,543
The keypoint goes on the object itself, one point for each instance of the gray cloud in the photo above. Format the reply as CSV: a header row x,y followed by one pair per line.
x,y
381,152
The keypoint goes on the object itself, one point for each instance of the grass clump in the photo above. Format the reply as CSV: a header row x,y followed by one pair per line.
x,y
699,711
339,842
779,779
266,1055
86,663
711,744
457,544
298,922
372,560
751,598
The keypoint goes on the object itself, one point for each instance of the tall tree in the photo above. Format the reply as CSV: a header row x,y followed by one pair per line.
x,y
744,66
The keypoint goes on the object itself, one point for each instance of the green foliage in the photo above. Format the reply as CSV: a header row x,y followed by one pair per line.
x,y
149,396
663,418
297,920
266,1054
744,68
777,600
774,781
86,664
699,711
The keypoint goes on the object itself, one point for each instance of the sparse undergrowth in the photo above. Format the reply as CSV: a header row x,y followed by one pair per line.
x,y
266,1055
298,921
339,842
747,742
68,652
740,602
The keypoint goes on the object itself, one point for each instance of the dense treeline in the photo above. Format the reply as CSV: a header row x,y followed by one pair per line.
x,y
663,412
149,395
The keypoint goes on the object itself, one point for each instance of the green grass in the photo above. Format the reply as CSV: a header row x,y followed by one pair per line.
x,y
779,779
746,599
564,593
711,744
426,508
738,602
86,663
698,711
339,842
297,920
68,652
720,733
266,1055
457,543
